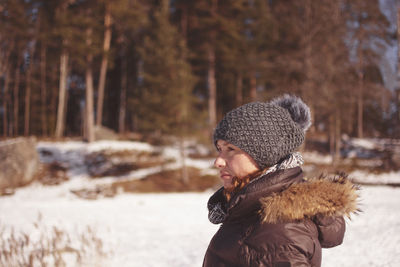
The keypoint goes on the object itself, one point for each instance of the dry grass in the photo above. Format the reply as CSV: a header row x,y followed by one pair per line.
x,y
52,247
52,174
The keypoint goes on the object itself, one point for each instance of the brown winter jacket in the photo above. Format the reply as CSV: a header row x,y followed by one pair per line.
x,y
280,220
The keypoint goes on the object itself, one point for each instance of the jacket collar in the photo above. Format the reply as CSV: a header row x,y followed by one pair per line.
x,y
284,196
247,201
326,197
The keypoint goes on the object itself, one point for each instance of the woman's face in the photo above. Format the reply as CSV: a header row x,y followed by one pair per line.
x,y
233,162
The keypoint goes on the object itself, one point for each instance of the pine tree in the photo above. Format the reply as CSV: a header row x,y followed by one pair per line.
x,y
167,80
6,45
129,22
14,38
33,39
49,59
215,35
257,53
368,28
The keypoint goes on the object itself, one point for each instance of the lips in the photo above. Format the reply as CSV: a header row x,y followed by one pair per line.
x,y
225,175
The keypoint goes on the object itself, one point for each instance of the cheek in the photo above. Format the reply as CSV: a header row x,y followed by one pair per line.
x,y
238,167
243,166
233,165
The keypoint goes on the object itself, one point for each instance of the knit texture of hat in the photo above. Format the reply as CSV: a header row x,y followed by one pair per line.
x,y
267,131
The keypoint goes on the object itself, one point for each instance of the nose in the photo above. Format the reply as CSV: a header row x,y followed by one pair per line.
x,y
219,162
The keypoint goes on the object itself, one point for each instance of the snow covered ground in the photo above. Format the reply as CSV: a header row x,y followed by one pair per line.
x,y
173,229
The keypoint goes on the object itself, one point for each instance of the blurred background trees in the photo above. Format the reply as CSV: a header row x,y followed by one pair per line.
x,y
176,66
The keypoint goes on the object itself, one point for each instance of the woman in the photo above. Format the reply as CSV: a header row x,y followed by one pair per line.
x,y
270,214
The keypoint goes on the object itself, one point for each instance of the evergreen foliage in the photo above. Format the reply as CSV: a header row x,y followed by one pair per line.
x,y
168,62
167,79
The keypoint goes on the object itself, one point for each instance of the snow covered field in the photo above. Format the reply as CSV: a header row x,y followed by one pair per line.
x,y
173,229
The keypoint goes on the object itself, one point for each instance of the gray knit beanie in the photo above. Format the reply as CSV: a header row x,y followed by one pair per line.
x,y
267,131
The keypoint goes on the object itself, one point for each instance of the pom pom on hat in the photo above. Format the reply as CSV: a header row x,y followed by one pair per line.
x,y
298,110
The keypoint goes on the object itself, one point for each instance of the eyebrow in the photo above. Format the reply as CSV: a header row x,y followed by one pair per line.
x,y
224,143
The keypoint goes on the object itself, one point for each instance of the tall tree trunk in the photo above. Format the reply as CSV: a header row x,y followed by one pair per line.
x,y
104,63
28,90
28,80
184,22
16,93
89,90
28,100
351,115
307,88
212,89
239,89
6,101
253,87
61,110
338,132
360,95
43,89
89,115
360,104
184,169
398,65
52,115
122,99
184,110
332,136
212,84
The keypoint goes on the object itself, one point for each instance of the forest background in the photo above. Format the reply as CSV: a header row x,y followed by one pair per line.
x,y
163,67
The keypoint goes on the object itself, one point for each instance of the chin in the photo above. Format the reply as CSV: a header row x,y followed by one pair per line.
x,y
228,186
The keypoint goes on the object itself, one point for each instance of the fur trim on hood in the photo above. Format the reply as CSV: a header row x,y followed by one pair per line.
x,y
327,197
